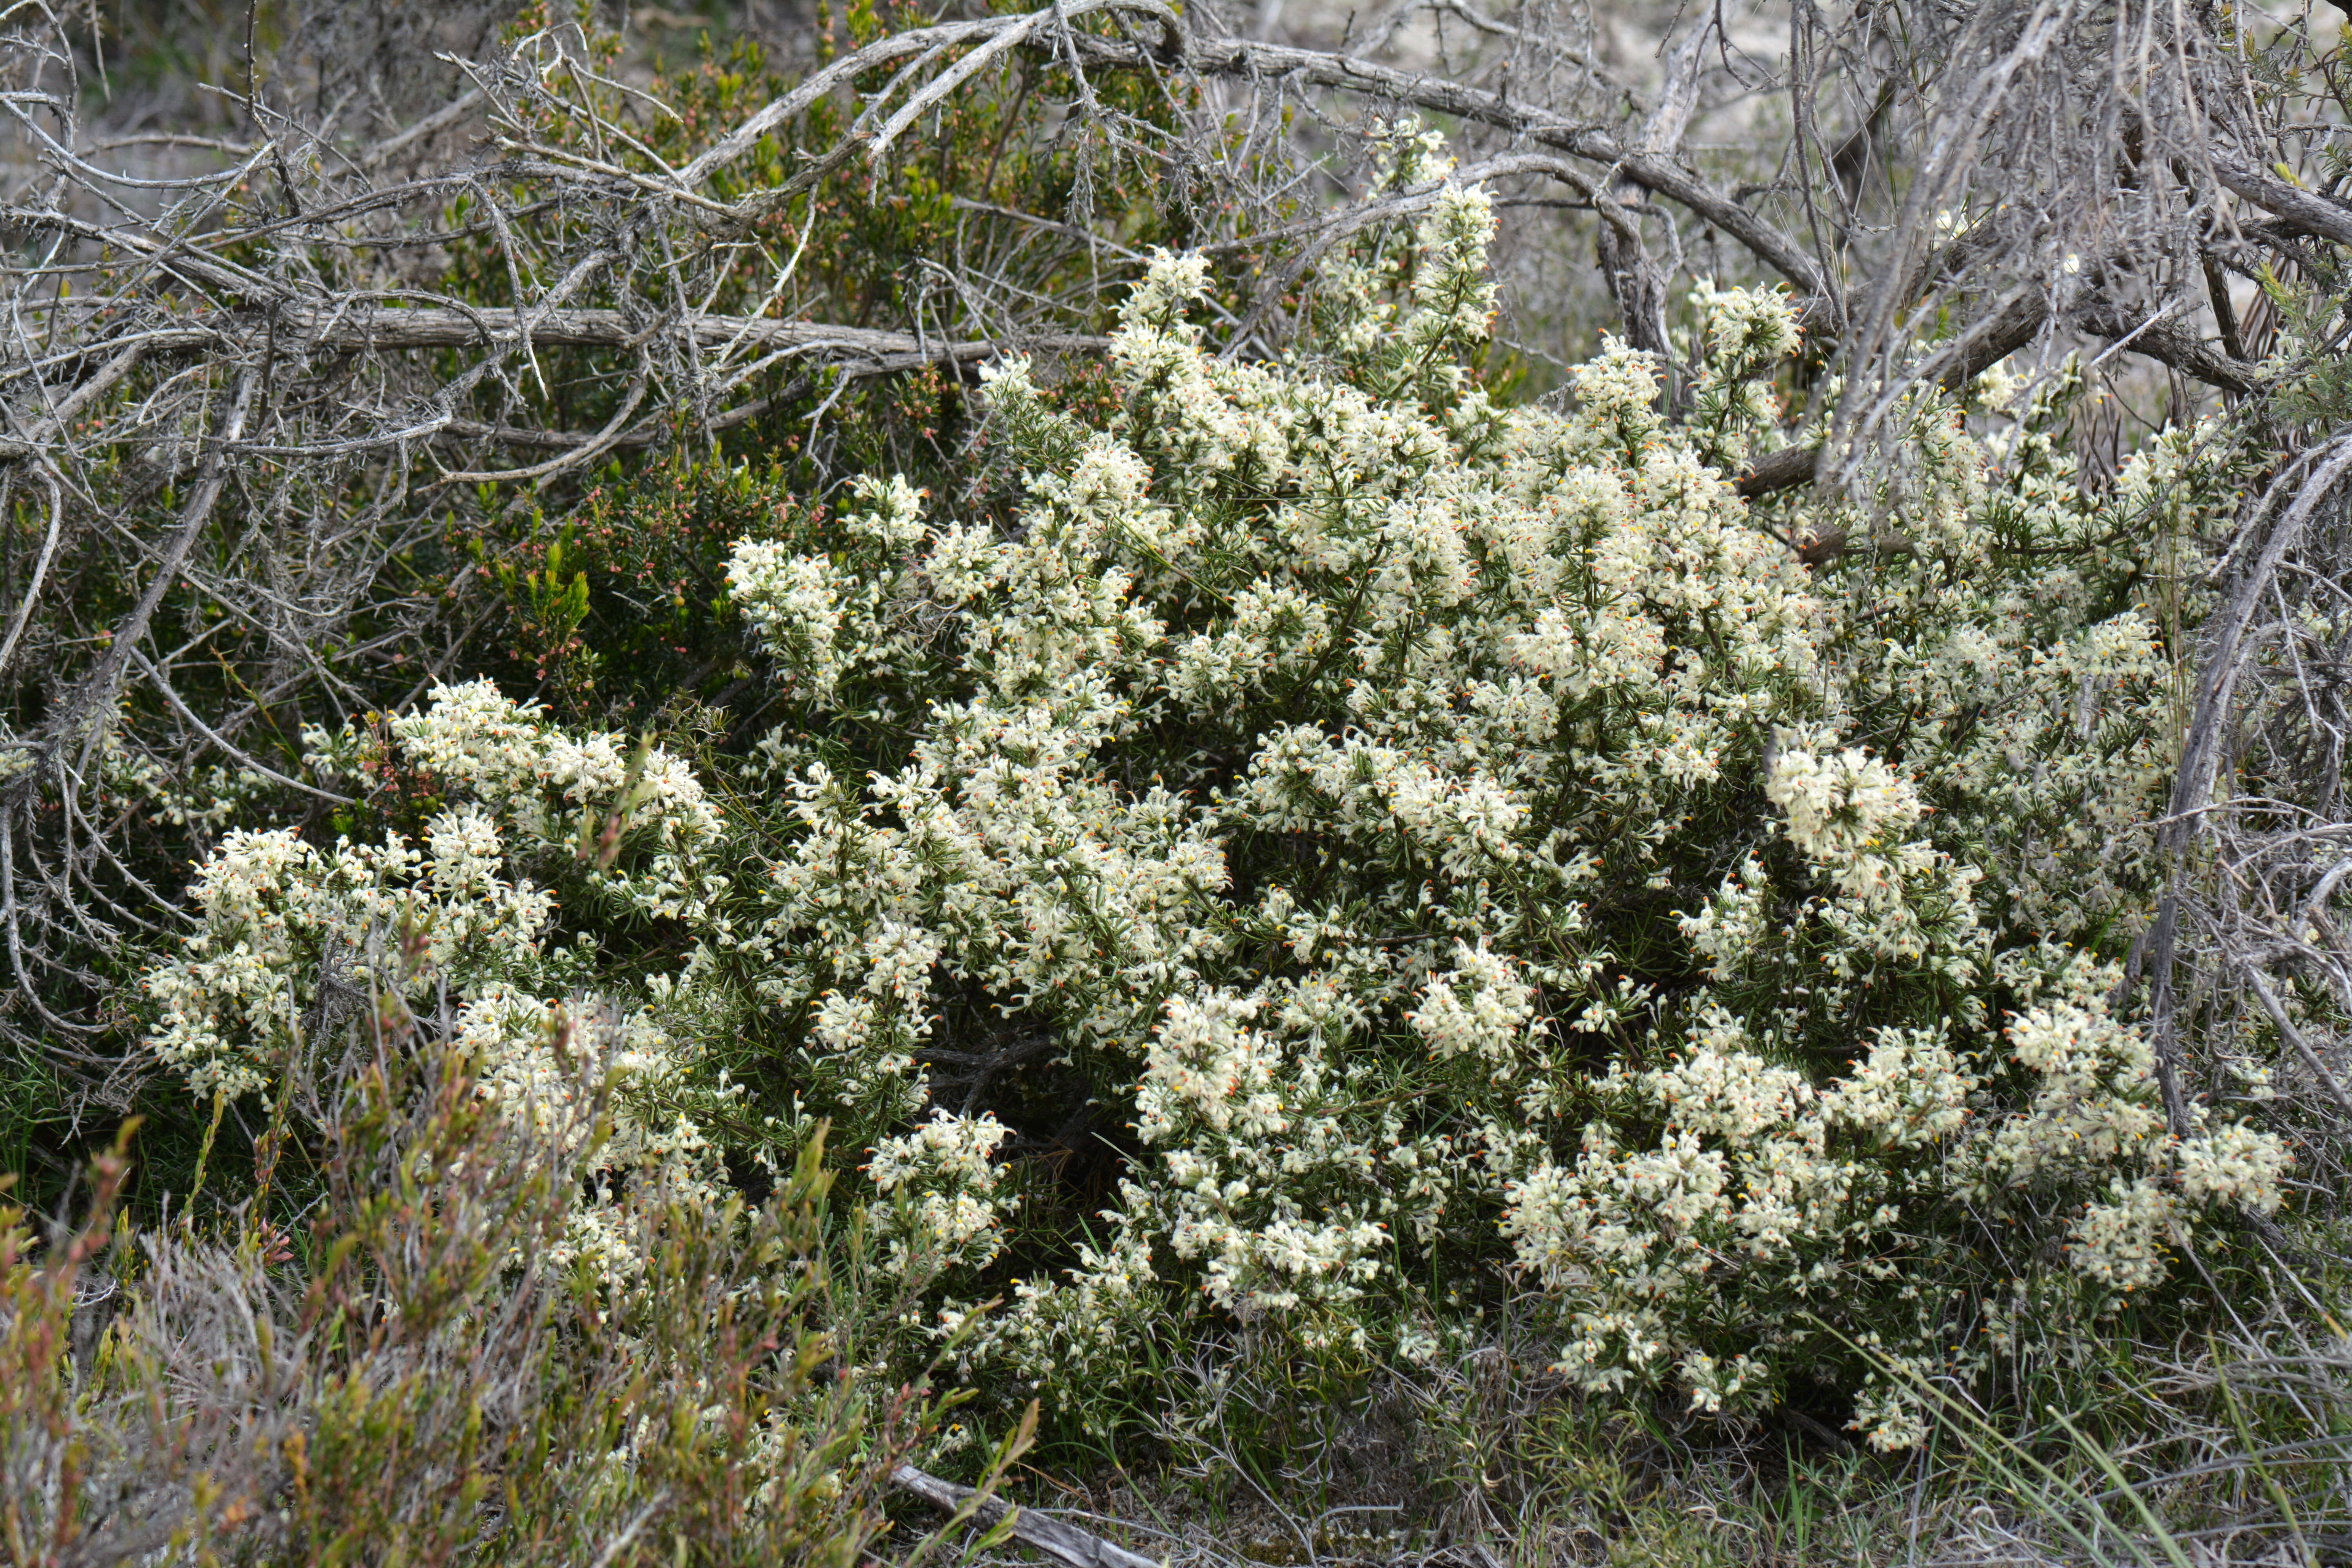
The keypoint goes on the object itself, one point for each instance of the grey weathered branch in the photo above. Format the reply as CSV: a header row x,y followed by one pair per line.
x,y
2223,662
1653,169
2293,1037
1657,172
1783,470
921,42
2308,210
350,326
2165,341
1065,1544
1639,287
316,331
1994,338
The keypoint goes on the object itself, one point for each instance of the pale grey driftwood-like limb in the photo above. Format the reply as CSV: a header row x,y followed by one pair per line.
x,y
1065,1544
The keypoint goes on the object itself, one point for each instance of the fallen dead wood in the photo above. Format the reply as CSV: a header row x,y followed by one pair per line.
x,y
1065,1544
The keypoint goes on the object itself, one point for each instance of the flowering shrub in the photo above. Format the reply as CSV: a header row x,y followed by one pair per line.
x,y
294,940
1459,842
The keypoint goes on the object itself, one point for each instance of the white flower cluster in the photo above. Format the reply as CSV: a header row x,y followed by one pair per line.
x,y
1205,1062
297,943
548,1067
1850,814
556,793
819,618
947,1212
288,932
1480,1007
1769,1196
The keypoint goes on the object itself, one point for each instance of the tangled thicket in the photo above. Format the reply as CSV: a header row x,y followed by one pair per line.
x,y
1450,841
1177,850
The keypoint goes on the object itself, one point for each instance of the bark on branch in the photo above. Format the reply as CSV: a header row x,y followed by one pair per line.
x,y
1065,1544
2305,210
344,329
2002,334
1657,172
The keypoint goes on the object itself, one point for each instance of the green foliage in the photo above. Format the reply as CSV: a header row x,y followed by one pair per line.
x,y
408,1378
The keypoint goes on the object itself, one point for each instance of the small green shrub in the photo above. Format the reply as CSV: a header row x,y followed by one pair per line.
x,y
428,1371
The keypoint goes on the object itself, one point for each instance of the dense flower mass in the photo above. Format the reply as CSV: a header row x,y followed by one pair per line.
x,y
1435,838
295,940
